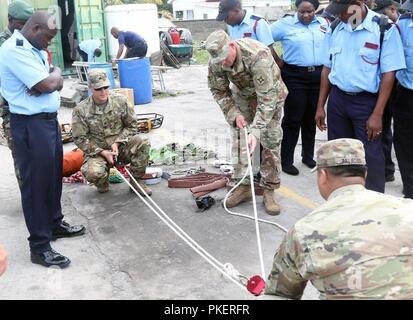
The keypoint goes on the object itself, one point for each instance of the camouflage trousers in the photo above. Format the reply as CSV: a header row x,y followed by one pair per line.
x,y
270,140
5,115
135,152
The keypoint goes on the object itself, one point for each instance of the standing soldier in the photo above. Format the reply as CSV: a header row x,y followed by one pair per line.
x,y
105,127
355,246
390,9
301,36
18,13
364,54
254,102
403,107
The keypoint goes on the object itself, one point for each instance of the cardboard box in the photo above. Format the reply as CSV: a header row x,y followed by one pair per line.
x,y
126,92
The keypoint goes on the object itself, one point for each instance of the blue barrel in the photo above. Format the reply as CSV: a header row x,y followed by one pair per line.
x,y
108,69
135,73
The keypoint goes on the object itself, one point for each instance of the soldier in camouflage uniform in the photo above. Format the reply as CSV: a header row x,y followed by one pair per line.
x,y
358,245
18,13
105,127
255,101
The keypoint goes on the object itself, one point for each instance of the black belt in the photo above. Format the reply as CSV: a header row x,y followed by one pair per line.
x,y
308,69
362,93
37,116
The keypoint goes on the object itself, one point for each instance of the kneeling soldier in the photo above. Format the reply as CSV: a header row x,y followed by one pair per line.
x,y
105,127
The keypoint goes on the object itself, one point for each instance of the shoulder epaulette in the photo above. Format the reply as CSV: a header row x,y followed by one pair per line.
x,y
383,21
288,15
406,16
254,17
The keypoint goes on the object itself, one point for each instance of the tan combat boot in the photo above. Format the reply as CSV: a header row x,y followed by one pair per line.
x,y
104,187
142,184
271,205
240,194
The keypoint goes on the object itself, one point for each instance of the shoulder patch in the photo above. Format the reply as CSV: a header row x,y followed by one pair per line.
x,y
254,17
19,43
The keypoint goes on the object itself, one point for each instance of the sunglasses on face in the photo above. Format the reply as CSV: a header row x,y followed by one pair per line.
x,y
102,88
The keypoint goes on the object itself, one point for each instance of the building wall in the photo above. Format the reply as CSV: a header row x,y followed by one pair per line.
x,y
201,29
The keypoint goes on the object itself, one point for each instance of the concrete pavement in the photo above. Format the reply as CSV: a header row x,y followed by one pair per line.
x,y
127,252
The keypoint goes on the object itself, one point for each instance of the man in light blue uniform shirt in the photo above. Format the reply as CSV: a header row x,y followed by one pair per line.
x,y
31,89
90,49
302,37
244,25
403,106
357,77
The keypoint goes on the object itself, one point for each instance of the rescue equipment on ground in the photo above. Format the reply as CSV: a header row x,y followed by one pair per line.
x,y
149,121
72,162
255,284
204,203
66,130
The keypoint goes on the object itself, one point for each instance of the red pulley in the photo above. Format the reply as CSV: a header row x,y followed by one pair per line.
x,y
256,285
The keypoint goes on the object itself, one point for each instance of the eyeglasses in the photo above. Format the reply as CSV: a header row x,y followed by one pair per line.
x,y
101,88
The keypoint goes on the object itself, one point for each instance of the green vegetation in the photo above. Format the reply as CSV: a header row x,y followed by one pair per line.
x,y
200,55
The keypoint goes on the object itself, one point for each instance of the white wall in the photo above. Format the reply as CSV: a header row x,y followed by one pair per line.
x,y
270,9
139,18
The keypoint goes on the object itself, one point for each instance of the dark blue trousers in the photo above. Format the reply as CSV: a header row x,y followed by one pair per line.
x,y
299,111
387,135
39,157
403,137
347,116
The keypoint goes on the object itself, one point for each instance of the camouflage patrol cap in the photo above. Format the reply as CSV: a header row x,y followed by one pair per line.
x,y
20,10
340,152
98,78
217,46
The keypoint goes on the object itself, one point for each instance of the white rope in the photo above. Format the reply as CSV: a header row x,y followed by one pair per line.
x,y
254,204
183,235
255,217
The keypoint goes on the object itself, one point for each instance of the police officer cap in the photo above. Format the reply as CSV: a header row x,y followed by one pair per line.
x,y
98,78
225,6
217,45
341,152
380,5
20,10
408,5
338,6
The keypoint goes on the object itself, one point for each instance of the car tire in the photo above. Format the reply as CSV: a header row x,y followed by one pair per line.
x,y
186,36
165,37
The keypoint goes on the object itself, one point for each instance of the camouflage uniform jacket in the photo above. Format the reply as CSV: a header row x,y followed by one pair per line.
x,y
96,128
256,76
3,37
358,245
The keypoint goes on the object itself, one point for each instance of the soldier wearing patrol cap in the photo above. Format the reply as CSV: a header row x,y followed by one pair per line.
x,y
255,101
403,106
362,55
105,127
356,245
18,13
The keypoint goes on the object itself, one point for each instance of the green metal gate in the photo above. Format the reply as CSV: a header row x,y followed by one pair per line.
x,y
90,23
89,17
56,46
